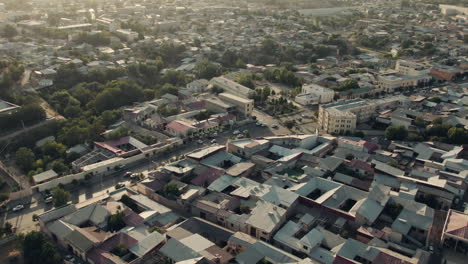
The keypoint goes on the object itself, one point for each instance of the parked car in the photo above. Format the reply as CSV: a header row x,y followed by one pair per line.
x,y
236,132
119,167
200,141
49,199
258,123
19,207
215,134
213,141
275,126
245,131
240,135
119,185
128,174
69,259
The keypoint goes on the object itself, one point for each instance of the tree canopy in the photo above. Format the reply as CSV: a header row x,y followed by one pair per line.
x,y
396,133
61,197
37,250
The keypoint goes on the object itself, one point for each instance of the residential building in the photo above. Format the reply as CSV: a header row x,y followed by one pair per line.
x,y
232,87
324,95
180,128
344,115
7,108
411,68
45,176
198,86
243,106
392,81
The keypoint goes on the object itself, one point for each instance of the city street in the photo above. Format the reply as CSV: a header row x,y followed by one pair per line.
x,y
96,188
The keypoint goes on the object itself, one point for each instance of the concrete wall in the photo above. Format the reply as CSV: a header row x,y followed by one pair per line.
x,y
20,194
104,169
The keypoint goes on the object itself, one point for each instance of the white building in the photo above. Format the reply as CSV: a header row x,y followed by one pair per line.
x,y
198,86
128,34
324,95
344,115
390,82
244,106
411,68
232,87
307,99
108,23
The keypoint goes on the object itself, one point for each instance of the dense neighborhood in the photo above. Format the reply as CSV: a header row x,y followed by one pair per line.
x,y
218,131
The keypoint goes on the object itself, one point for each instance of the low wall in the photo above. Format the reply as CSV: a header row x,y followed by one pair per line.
x,y
20,194
106,168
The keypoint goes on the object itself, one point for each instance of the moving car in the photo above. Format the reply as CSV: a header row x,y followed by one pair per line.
x,y
19,207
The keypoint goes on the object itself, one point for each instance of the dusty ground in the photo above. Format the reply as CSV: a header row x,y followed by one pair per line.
x,y
49,111
8,251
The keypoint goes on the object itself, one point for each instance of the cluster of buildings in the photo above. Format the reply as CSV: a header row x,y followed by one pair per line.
x,y
281,199
198,112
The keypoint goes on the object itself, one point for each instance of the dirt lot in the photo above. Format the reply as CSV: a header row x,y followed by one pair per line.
x,y
7,253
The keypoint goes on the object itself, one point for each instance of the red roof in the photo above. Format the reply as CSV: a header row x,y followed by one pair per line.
x,y
457,224
197,105
98,254
341,260
384,258
206,176
179,126
370,146
362,165
131,218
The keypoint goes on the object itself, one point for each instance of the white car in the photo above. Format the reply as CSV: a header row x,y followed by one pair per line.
x,y
18,208
49,199
213,141
200,141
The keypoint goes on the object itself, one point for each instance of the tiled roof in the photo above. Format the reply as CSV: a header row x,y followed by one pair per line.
x,y
179,126
457,224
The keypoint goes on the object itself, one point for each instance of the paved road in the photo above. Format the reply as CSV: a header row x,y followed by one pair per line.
x,y
99,186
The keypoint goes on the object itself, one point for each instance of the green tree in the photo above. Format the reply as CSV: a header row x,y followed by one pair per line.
x,y
171,189
246,80
37,250
25,158
120,250
53,149
457,135
174,77
116,222
289,123
206,70
8,31
61,197
59,167
396,133
4,197
420,122
269,46
7,228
